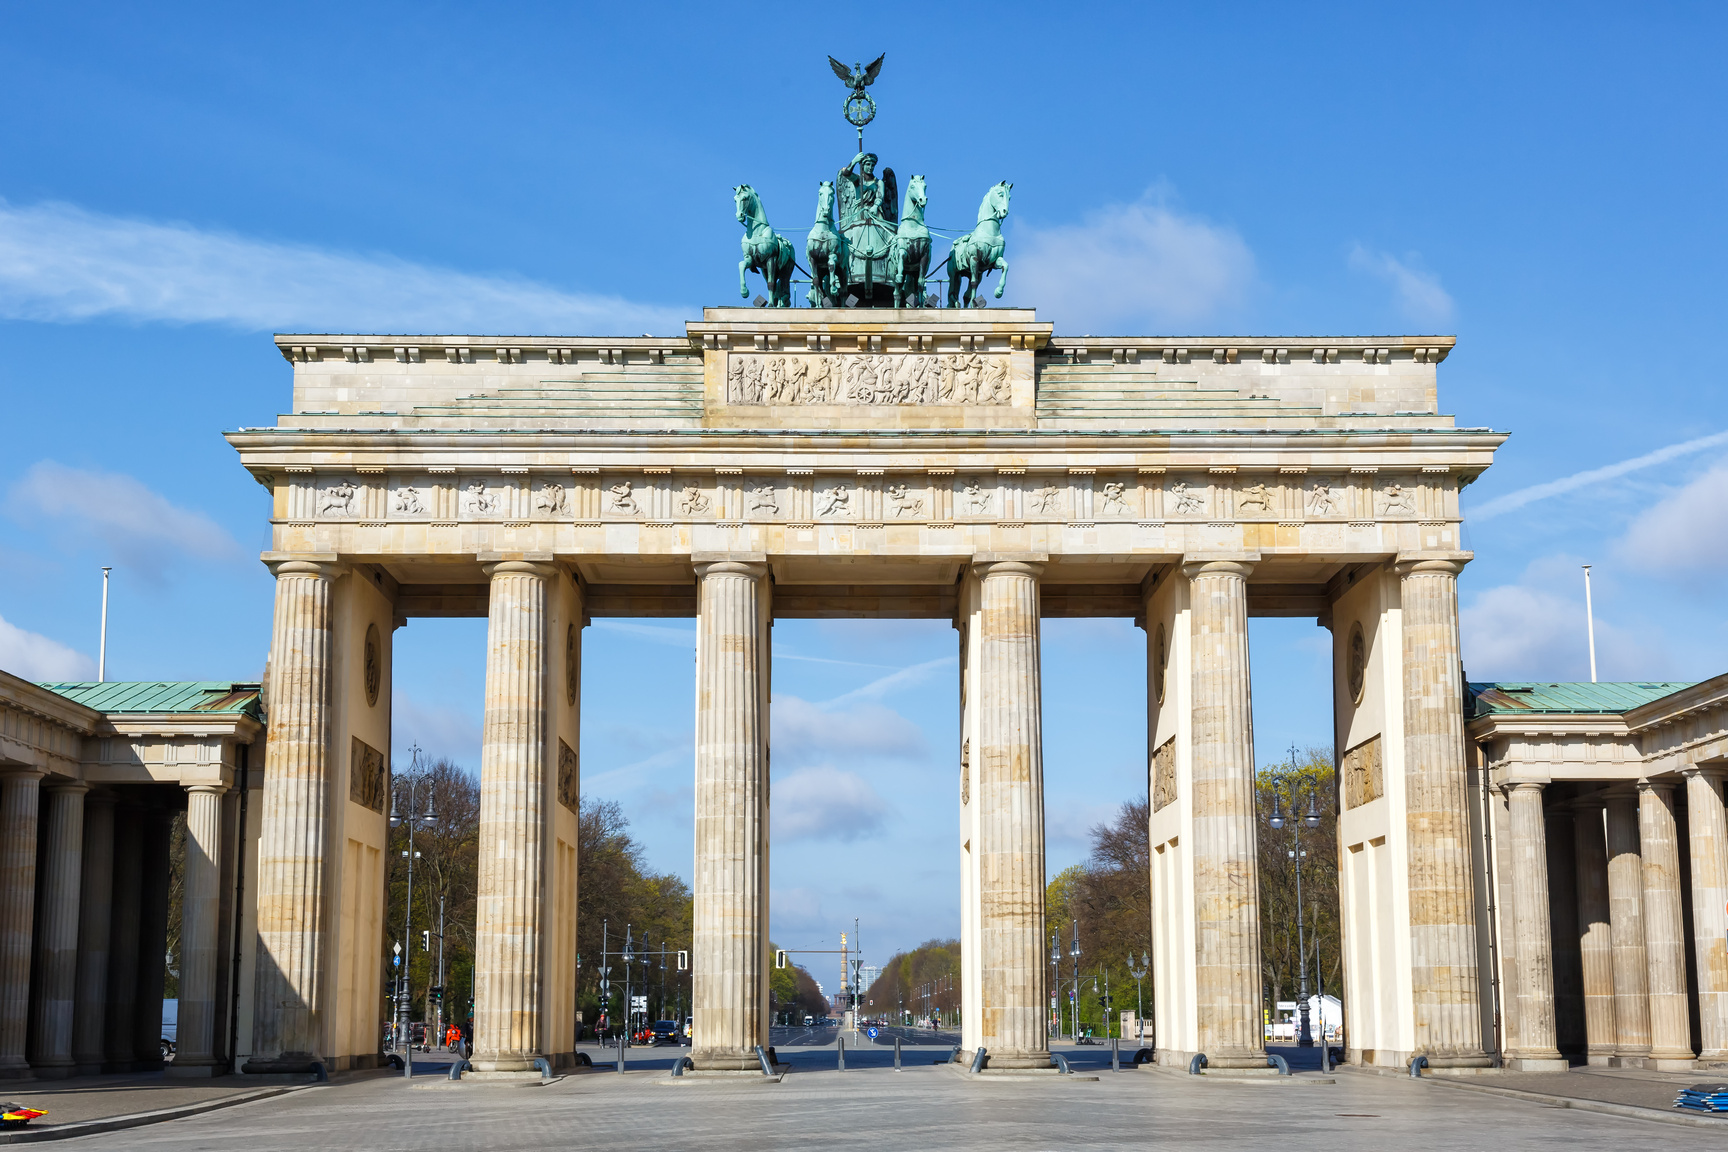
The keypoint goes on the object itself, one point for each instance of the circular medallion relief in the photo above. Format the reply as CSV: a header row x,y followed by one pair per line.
x,y
570,657
1163,663
374,665
1357,666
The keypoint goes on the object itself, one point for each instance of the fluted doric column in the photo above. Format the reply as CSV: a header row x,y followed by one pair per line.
x,y
1226,881
57,933
1626,918
1445,989
507,997
730,933
195,1053
1707,829
19,797
1664,928
1015,997
1595,937
1533,946
122,1001
290,993
95,915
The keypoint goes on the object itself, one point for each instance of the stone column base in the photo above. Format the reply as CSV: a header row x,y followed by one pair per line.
x,y
287,1062
1670,1062
506,1062
1019,1060
715,1060
54,1071
17,1072
1538,1064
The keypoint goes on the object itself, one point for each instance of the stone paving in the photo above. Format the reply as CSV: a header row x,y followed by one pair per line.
x,y
924,1106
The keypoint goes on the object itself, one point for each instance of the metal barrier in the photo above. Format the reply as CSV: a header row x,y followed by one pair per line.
x,y
1115,1054
896,1053
980,1059
1273,1060
1417,1063
1062,1063
545,1067
457,1068
840,1047
1197,1063
762,1059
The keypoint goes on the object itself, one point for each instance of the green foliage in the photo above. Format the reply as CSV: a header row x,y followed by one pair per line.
x,y
1307,773
923,981
1108,900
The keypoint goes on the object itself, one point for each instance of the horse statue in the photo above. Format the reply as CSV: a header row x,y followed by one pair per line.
x,y
909,258
825,249
765,250
978,252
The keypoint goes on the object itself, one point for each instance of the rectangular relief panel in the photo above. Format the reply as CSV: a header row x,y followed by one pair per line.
x,y
1364,779
865,379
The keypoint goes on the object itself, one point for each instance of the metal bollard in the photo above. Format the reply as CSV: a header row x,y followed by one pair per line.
x,y
1115,1054
896,1053
840,1041
621,1039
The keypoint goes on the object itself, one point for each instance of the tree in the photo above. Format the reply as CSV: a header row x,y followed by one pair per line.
x,y
1109,897
616,894
921,982
1308,773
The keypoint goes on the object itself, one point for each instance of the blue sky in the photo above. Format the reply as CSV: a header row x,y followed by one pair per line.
x,y
178,181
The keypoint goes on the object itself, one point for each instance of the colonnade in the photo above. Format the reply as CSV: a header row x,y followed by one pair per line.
x,y
1631,879
84,906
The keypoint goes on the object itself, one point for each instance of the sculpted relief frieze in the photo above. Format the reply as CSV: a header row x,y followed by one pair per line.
x,y
862,378
659,496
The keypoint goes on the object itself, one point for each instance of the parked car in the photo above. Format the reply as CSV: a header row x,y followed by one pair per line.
x,y
809,1020
665,1032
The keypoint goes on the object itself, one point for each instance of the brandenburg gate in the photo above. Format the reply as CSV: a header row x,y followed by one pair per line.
x,y
965,464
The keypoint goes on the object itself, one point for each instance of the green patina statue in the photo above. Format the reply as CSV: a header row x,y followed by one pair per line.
x,y
871,256
975,254
909,258
826,251
765,250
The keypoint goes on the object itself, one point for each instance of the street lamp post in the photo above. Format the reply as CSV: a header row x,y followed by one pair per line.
x,y
1310,819
1074,997
429,818
1055,981
1138,971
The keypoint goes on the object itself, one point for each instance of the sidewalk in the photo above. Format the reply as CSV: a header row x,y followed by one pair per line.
x,y
1614,1091
76,1103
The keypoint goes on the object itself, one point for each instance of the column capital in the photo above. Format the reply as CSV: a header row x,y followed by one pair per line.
x,y
752,564
67,786
1431,563
1199,564
518,567
988,564
1525,786
1706,771
1659,785
325,564
21,772
208,789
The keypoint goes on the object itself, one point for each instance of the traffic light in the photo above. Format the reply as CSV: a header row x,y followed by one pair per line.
x,y
436,994
426,940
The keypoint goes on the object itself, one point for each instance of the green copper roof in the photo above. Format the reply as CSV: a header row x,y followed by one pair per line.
x,y
1516,697
135,696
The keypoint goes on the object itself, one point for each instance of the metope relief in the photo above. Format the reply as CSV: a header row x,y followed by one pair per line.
x,y
978,498
1185,499
620,499
477,500
1115,496
1398,500
835,501
408,501
338,499
1047,499
903,503
1322,499
694,502
553,501
863,379
1255,500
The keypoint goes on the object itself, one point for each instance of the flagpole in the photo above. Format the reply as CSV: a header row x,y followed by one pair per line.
x,y
1590,623
102,653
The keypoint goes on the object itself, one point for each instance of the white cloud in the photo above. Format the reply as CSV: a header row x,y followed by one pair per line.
x,y
1686,533
32,656
442,729
139,527
1129,266
1072,824
1528,632
805,733
1514,500
893,682
825,803
1419,292
62,264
